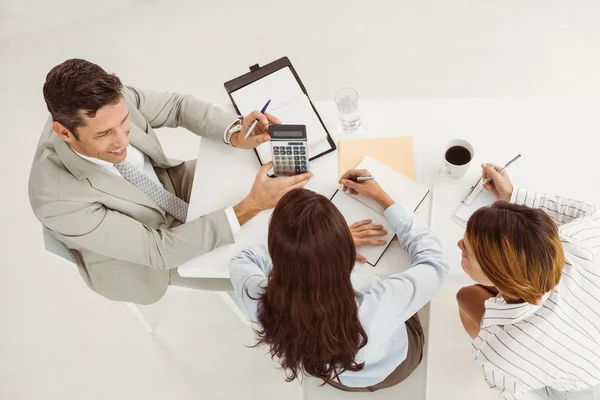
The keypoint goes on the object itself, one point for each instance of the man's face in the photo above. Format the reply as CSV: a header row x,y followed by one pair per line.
x,y
104,137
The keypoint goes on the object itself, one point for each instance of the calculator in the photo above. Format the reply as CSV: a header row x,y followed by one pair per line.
x,y
289,149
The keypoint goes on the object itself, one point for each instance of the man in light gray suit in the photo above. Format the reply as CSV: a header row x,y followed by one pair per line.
x,y
101,183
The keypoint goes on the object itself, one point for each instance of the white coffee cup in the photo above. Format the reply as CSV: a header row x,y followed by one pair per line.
x,y
456,158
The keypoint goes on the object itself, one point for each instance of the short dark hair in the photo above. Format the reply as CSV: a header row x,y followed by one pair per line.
x,y
518,249
308,312
76,87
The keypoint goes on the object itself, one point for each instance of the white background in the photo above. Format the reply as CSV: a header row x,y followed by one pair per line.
x,y
61,341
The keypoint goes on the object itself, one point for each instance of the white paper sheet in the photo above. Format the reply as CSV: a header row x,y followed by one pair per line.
x,y
479,198
402,189
288,103
354,211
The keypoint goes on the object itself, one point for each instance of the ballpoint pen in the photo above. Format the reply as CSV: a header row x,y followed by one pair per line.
x,y
488,180
256,121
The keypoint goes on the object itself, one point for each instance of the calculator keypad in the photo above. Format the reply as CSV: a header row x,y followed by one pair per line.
x,y
289,160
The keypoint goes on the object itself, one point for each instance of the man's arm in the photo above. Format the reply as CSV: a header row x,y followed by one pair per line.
x,y
113,234
172,110
105,231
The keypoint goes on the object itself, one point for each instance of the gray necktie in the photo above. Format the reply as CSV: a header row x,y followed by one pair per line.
x,y
167,200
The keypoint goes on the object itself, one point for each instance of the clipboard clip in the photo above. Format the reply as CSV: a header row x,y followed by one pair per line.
x,y
254,67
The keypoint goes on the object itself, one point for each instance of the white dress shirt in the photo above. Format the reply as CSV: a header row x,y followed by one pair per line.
x,y
142,162
553,346
384,305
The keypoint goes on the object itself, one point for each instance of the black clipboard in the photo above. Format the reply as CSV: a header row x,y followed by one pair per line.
x,y
256,73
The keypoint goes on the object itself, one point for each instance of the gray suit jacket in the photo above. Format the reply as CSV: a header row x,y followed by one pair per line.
x,y
123,241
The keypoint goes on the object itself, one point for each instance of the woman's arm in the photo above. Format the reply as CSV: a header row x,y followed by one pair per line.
x,y
582,218
248,272
577,220
403,294
410,290
561,210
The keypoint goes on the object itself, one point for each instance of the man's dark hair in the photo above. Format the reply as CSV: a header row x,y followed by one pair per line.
x,y
76,88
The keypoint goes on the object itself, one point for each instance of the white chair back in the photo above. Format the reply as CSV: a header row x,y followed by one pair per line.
x,y
55,246
58,248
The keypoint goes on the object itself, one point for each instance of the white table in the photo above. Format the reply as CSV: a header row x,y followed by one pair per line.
x,y
558,139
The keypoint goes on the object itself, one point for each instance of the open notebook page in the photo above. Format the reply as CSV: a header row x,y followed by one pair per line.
x,y
354,211
403,190
288,103
355,208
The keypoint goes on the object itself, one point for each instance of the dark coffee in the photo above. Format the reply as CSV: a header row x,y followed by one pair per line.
x,y
458,155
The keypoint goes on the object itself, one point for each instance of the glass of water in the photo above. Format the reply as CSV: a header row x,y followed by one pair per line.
x,y
346,100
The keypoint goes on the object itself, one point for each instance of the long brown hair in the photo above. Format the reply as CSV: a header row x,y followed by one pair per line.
x,y
308,312
518,249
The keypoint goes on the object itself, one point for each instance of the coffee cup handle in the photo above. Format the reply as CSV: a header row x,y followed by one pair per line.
x,y
445,170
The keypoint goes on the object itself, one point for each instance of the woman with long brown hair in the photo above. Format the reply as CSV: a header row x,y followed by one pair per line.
x,y
356,333
534,315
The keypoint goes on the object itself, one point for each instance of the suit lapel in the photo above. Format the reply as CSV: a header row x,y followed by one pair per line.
x,y
148,144
114,185
100,178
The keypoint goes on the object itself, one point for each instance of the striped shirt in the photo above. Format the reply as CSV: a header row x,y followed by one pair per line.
x,y
556,344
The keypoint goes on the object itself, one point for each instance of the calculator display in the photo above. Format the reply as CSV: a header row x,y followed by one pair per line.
x,y
292,134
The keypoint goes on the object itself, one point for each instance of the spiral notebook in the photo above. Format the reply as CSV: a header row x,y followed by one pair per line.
x,y
356,208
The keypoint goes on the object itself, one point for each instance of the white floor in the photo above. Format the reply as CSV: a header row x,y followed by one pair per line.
x,y
61,341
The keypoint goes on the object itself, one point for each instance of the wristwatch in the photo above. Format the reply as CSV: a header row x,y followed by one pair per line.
x,y
235,127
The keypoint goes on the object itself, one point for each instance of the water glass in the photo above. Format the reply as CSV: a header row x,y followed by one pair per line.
x,y
346,100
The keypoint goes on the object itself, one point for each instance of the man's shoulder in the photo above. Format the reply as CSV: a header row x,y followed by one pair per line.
x,y
45,169
49,178
133,98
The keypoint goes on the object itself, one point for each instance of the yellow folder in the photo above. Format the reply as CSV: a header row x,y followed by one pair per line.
x,y
396,152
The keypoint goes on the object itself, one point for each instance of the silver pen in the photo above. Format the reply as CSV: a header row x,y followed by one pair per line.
x,y
251,129
256,121
361,178
488,180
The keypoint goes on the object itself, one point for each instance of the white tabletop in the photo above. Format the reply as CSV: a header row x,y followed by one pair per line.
x,y
558,139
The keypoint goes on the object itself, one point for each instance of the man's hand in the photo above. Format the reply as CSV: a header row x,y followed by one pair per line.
x,y
259,135
500,185
361,232
370,189
266,192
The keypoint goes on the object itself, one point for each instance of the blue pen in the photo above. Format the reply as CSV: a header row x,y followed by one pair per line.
x,y
256,121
